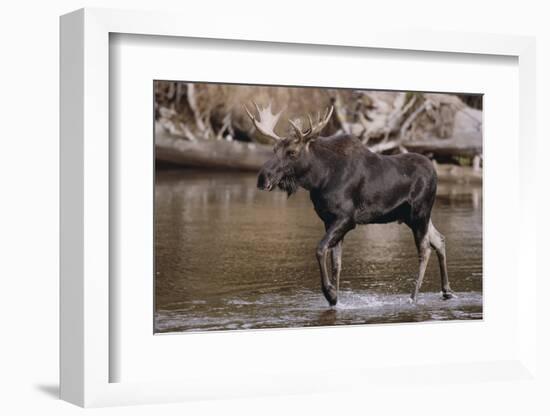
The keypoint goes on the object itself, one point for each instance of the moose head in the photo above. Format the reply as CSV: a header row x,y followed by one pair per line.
x,y
291,159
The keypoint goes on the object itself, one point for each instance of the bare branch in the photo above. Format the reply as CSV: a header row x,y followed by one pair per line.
x,y
192,99
410,119
340,114
225,126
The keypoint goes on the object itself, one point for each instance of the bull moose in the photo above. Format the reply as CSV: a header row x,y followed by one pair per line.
x,y
350,185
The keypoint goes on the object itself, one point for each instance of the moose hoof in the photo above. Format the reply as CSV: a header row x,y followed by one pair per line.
x,y
412,300
331,295
448,295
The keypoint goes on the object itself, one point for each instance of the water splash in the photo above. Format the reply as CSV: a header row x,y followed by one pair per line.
x,y
304,307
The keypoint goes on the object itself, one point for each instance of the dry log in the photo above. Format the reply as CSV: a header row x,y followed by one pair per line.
x,y
386,121
213,154
233,155
466,144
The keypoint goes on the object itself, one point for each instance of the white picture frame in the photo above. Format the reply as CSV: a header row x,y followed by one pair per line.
x,y
85,212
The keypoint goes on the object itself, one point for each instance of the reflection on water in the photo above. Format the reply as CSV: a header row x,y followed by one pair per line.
x,y
231,257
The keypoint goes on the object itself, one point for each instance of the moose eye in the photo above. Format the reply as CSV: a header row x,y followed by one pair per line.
x,y
291,153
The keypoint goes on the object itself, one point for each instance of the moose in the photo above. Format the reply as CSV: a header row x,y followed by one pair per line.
x,y
349,185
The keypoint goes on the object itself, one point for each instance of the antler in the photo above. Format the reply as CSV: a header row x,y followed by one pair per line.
x,y
266,121
314,128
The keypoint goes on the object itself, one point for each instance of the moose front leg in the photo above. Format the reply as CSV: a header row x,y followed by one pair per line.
x,y
334,235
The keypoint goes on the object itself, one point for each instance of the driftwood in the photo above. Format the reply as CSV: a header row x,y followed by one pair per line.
x,y
213,154
458,134
466,145
221,154
207,111
206,125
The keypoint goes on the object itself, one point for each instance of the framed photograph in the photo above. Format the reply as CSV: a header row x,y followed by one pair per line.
x,y
229,256
256,227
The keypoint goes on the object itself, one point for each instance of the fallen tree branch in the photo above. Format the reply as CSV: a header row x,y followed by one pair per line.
x,y
341,115
192,100
405,126
233,155
213,154
465,145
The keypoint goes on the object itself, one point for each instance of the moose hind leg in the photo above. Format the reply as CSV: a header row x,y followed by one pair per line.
x,y
437,241
336,257
424,250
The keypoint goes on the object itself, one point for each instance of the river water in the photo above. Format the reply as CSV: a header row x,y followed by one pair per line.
x,y
228,256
